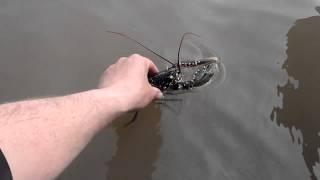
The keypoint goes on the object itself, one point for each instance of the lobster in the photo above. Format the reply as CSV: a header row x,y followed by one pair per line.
x,y
172,80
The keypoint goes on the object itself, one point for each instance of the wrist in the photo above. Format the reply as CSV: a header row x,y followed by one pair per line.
x,y
108,101
103,105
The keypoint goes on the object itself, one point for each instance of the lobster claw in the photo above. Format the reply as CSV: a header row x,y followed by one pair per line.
x,y
163,79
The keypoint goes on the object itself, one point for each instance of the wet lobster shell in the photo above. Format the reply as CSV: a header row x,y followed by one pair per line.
x,y
171,80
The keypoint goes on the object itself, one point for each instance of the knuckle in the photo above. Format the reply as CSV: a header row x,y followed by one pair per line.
x,y
122,59
135,56
148,61
110,68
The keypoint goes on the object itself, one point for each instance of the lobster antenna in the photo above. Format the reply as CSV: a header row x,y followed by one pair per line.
x,y
126,36
182,38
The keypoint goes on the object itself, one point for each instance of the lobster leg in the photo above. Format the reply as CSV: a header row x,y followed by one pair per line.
x,y
134,118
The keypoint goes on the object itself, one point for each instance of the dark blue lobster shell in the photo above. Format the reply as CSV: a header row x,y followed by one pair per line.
x,y
171,79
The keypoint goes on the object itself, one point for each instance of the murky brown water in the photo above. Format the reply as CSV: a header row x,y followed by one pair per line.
x,y
141,137
260,123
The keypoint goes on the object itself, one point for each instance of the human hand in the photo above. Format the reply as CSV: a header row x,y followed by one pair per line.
x,y
127,80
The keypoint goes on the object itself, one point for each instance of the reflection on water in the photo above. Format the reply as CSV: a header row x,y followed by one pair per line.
x,y
301,105
140,137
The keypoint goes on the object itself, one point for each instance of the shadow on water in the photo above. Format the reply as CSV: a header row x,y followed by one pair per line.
x,y
301,106
138,146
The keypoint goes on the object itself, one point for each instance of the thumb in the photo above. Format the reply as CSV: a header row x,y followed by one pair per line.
x,y
157,93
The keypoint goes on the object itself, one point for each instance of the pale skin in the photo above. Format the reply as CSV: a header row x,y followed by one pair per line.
x,y
41,137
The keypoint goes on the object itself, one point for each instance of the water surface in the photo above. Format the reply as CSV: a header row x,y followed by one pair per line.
x,y
260,123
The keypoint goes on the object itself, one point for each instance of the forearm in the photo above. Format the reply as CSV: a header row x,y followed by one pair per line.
x,y
41,137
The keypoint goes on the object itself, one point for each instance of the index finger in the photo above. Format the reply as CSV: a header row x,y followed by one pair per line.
x,y
152,68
